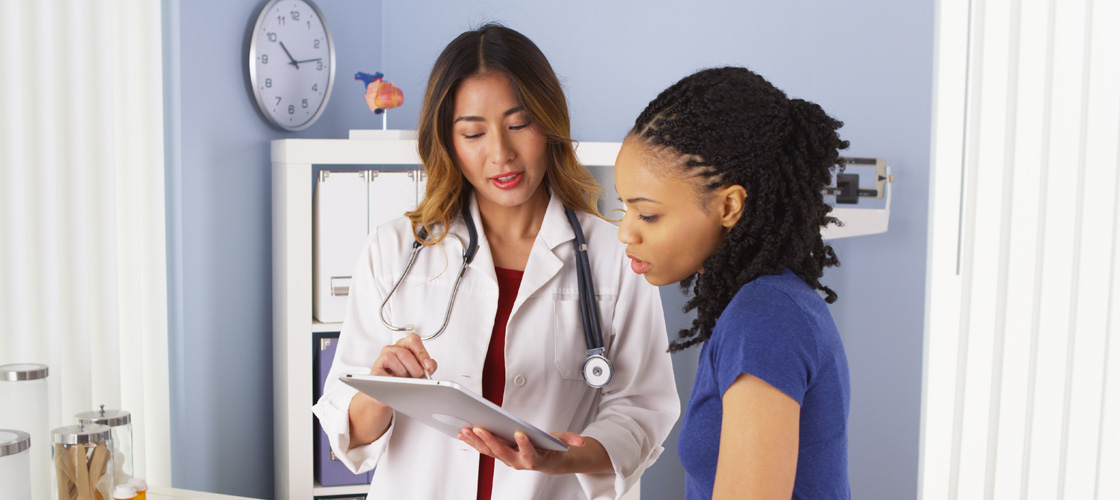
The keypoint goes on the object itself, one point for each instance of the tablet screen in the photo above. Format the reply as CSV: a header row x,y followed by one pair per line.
x,y
447,407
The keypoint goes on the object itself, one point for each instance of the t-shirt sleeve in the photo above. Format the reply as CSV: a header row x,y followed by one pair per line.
x,y
764,333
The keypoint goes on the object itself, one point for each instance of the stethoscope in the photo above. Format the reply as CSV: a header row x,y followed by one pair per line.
x,y
596,369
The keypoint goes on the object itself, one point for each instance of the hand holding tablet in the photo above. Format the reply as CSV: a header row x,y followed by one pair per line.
x,y
449,407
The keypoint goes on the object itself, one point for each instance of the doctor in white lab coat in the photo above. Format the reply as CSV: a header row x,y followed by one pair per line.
x,y
504,146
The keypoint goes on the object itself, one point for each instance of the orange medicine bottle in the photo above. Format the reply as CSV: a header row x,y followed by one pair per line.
x,y
141,487
124,492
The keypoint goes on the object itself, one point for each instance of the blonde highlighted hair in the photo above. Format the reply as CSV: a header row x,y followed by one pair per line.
x,y
488,50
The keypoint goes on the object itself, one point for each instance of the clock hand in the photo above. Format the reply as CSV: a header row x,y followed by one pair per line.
x,y
309,60
294,62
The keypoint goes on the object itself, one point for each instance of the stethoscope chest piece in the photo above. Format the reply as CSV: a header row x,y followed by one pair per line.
x,y
597,370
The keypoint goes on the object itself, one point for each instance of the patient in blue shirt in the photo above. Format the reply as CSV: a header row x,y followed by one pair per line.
x,y
779,330
722,178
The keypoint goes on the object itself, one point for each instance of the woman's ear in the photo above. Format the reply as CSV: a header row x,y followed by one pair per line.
x,y
732,200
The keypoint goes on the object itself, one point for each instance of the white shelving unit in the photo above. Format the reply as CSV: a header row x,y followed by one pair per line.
x,y
293,326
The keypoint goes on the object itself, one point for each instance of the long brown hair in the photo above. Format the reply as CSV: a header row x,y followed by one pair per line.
x,y
488,50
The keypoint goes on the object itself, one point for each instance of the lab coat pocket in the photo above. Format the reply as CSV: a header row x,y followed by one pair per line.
x,y
569,343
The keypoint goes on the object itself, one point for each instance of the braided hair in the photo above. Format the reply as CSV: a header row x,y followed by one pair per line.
x,y
730,126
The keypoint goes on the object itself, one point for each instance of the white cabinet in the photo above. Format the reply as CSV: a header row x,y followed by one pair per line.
x,y
294,162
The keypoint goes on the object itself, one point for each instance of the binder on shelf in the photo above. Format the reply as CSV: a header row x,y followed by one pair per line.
x,y
347,207
329,470
391,194
338,233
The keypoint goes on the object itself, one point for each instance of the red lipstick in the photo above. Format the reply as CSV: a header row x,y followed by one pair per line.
x,y
508,180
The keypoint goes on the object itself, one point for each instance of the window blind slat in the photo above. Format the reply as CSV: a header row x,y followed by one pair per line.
x,y
943,287
1101,112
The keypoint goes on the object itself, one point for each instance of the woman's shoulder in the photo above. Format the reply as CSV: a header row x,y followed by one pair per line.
x,y
608,255
762,303
602,240
774,289
780,303
391,235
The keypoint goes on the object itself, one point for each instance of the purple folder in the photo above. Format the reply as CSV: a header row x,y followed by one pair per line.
x,y
329,471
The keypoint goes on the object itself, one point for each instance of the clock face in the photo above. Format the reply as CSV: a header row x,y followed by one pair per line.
x,y
291,63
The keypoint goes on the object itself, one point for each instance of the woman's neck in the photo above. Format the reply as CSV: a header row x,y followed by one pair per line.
x,y
512,230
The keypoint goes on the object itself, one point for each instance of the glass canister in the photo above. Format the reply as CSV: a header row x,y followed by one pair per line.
x,y
23,390
82,456
119,423
15,465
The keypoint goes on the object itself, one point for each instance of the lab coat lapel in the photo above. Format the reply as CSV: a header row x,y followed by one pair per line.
x,y
543,263
483,262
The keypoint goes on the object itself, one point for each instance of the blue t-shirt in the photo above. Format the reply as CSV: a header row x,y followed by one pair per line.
x,y
778,329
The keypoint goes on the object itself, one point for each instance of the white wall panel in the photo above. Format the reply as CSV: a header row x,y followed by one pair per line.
x,y
1018,333
1099,227
943,286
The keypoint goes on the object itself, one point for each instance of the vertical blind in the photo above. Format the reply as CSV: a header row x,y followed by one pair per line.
x,y
1021,393
82,256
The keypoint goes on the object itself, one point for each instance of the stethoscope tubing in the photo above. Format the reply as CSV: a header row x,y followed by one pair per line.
x,y
590,316
589,309
469,251
407,268
450,302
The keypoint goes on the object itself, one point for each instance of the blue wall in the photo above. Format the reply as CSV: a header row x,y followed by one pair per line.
x,y
220,231
868,63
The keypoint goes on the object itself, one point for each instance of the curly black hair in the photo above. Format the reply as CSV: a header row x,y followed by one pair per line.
x,y
730,126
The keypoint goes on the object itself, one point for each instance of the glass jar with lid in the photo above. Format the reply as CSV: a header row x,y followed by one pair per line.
x,y
15,464
82,456
23,391
119,423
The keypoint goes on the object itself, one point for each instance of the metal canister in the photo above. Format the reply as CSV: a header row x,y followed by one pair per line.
x,y
23,389
83,458
119,423
15,464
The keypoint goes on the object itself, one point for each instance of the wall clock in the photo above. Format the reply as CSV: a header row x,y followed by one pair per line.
x,y
291,63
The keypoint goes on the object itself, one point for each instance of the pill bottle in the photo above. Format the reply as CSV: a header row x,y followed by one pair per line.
x,y
124,492
141,487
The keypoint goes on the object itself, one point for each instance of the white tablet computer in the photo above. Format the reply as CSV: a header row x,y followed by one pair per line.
x,y
447,407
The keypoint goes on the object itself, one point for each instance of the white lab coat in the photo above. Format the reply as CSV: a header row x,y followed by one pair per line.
x,y
545,347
